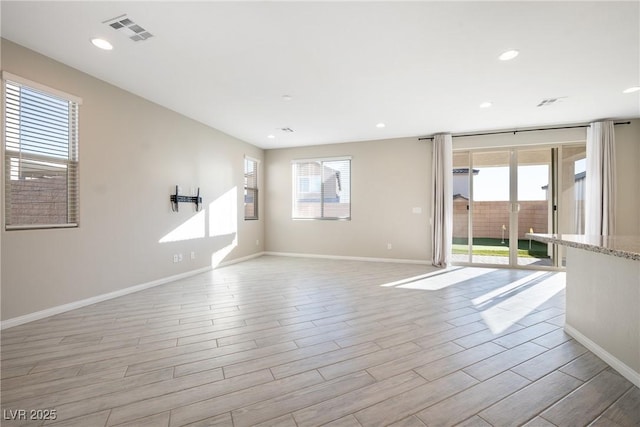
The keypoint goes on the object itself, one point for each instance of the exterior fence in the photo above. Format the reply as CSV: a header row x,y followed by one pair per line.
x,y
38,201
490,216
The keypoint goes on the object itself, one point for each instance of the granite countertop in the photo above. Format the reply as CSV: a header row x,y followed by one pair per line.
x,y
620,246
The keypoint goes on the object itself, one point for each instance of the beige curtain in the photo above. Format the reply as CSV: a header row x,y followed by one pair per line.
x,y
600,200
442,201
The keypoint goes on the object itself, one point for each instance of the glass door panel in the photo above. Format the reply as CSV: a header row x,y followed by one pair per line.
x,y
534,208
490,207
571,193
461,249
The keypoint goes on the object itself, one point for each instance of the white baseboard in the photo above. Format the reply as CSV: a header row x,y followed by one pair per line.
x,y
611,360
349,258
98,298
242,259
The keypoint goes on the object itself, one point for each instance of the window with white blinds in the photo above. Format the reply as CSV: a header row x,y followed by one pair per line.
x,y
41,156
322,188
250,188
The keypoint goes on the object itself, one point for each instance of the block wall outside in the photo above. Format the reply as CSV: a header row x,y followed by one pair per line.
x,y
38,201
248,210
490,216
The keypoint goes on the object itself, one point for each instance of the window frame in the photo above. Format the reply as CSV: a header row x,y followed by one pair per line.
x,y
70,162
255,190
295,178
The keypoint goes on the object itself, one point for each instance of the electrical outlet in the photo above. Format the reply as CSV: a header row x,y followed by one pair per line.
x,y
389,246
257,242
193,255
179,257
175,257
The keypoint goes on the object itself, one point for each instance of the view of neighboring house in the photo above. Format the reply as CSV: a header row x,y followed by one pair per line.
x,y
316,182
461,182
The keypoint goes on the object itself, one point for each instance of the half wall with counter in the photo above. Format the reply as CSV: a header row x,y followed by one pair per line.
x,y
603,297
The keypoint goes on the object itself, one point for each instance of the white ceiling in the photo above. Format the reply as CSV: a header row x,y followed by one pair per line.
x,y
419,67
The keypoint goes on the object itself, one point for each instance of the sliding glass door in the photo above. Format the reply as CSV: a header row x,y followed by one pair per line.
x,y
500,195
491,228
534,205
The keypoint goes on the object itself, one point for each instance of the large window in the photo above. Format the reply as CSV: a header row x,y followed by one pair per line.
x,y
41,156
322,188
250,188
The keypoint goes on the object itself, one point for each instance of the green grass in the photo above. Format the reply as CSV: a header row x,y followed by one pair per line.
x,y
495,247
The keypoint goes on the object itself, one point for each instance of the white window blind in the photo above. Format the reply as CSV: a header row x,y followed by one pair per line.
x,y
250,188
41,156
322,188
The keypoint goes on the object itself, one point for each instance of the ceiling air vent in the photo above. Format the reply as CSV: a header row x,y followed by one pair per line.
x,y
549,101
125,25
289,130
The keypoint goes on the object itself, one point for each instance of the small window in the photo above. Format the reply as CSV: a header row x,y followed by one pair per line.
x,y
250,188
41,156
322,188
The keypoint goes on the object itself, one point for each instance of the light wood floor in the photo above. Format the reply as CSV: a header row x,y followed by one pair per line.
x,y
281,341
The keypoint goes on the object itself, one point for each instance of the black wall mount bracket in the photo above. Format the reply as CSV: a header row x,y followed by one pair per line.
x,y
177,198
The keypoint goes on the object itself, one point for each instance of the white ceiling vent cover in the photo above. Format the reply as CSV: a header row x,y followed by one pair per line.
x,y
549,101
125,25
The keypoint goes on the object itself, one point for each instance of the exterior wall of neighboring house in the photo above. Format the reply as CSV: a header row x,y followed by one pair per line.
x,y
249,205
490,216
312,180
315,175
249,196
461,181
461,184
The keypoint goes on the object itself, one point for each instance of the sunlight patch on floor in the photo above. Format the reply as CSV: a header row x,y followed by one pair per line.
x,y
504,307
440,278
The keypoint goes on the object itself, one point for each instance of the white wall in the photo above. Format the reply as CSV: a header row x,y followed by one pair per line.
x,y
132,153
389,179
628,168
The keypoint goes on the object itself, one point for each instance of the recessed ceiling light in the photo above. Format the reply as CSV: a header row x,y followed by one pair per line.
x,y
271,136
631,89
486,104
510,54
380,125
286,97
102,44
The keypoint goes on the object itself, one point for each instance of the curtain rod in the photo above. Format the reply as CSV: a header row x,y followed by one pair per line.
x,y
518,131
